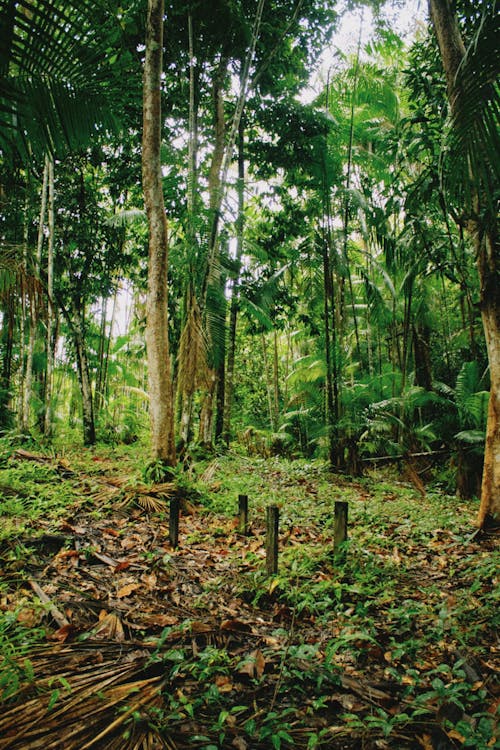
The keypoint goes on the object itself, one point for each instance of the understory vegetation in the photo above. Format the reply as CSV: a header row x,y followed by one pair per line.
x,y
111,638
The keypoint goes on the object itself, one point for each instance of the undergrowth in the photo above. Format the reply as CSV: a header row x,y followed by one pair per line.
x,y
410,602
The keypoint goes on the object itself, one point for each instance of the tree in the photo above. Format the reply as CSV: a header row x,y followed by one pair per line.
x,y
161,402
473,74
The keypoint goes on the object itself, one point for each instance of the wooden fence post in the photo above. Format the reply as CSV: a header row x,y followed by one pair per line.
x,y
340,524
243,514
173,530
272,535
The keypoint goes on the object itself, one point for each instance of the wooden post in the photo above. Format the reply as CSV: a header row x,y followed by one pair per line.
x,y
243,514
272,534
340,524
174,522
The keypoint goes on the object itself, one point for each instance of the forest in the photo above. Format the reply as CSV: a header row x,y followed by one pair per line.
x,y
249,374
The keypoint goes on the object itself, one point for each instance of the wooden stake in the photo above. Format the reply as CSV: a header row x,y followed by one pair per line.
x,y
272,535
174,522
340,524
243,514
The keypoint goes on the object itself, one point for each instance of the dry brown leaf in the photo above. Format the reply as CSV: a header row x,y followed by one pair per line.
x,y
224,683
122,566
110,626
161,621
62,635
425,741
150,580
111,532
126,590
200,627
254,665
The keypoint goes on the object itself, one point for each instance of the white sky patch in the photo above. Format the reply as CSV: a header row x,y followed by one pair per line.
x,y
405,21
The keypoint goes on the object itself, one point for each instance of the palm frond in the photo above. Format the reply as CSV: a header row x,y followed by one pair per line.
x,y
475,120
53,62
107,681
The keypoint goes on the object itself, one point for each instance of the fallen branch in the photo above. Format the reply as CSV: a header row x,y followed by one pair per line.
x,y
402,457
56,613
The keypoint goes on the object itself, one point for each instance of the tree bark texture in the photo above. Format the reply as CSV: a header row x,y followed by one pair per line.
x,y
483,228
161,402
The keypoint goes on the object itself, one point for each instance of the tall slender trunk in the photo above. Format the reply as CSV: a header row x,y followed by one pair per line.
x,y
185,392
347,201
233,316
212,274
77,326
276,384
268,383
6,351
483,228
109,336
221,162
22,322
330,379
161,402
28,375
51,317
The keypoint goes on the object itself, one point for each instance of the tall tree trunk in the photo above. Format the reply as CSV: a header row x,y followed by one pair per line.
x,y
51,318
6,351
22,322
161,402
185,391
482,227
98,397
222,159
233,316
77,327
28,375
212,274
269,387
276,385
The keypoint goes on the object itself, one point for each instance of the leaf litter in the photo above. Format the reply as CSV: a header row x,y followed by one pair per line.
x,y
153,647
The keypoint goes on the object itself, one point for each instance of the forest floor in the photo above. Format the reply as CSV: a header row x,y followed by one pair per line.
x,y
110,638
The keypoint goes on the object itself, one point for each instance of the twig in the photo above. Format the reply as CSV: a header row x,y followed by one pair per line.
x,y
56,613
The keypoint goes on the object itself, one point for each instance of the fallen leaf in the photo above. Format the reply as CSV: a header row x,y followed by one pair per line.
x,y
63,633
425,741
110,626
224,683
255,664
161,621
126,590
150,580
122,566
199,627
